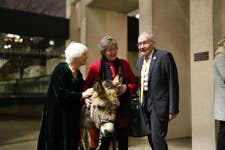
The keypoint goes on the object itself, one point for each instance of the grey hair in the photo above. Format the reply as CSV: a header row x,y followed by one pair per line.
x,y
149,35
105,41
74,50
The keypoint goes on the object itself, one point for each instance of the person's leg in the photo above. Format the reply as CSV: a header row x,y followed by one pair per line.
x,y
122,138
158,133
88,138
221,136
93,134
104,143
150,141
89,134
150,136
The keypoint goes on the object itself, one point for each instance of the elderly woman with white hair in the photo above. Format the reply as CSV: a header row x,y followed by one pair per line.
x,y
61,115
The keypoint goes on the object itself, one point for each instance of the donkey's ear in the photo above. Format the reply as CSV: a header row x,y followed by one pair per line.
x,y
98,87
116,80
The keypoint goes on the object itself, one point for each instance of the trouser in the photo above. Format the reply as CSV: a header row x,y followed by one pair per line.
x,y
221,136
157,138
121,138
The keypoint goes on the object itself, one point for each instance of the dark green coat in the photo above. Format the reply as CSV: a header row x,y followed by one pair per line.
x,y
61,115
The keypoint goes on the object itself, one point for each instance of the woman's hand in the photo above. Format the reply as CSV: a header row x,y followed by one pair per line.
x,y
122,88
88,102
87,93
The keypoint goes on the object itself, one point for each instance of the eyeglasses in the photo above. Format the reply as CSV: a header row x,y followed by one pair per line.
x,y
144,42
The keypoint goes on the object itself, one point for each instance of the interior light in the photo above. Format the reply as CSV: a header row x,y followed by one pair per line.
x,y
5,46
137,15
51,42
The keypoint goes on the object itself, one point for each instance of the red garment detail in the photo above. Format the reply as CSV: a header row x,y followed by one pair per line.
x,y
93,74
112,68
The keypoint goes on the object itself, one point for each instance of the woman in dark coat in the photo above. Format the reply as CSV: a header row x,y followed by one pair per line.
x,y
61,115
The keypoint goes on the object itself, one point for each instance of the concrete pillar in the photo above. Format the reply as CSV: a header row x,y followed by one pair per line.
x,y
171,30
202,95
100,22
75,13
218,21
145,12
75,20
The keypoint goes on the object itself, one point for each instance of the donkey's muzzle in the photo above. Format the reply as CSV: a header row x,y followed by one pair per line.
x,y
107,129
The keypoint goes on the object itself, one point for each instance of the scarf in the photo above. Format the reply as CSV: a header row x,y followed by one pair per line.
x,y
105,71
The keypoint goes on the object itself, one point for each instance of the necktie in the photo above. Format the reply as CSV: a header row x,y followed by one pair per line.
x,y
143,70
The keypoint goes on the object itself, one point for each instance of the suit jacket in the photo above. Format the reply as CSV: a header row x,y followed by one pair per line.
x,y
219,81
163,86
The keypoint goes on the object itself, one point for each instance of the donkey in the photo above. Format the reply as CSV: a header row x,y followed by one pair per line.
x,y
102,112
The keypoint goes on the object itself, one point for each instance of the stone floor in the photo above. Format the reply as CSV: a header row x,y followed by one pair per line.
x,y
19,128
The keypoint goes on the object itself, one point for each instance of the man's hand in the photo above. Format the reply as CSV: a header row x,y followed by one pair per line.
x,y
172,116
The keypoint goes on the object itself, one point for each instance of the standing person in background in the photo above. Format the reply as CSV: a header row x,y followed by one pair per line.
x,y
158,81
60,128
106,69
219,84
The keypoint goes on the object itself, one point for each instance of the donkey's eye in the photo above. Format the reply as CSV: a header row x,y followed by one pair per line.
x,y
100,107
110,113
109,84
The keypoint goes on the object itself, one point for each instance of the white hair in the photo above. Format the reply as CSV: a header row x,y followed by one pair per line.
x,y
74,50
149,35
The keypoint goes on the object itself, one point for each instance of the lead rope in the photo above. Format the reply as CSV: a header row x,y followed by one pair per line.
x,y
100,135
99,142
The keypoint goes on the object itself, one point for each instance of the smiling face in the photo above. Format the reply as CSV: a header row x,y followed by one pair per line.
x,y
145,45
110,52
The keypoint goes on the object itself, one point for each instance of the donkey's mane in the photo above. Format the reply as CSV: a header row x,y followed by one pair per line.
x,y
100,91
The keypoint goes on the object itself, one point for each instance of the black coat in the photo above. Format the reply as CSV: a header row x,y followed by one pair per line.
x,y
163,87
61,115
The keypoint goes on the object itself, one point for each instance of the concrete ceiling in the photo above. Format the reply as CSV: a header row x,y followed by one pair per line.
x,y
47,7
123,6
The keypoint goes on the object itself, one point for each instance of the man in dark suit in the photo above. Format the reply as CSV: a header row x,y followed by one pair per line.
x,y
159,88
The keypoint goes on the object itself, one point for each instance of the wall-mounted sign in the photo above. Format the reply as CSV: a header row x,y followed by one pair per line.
x,y
201,56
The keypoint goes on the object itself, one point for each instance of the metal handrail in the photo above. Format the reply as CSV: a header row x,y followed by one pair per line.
x,y
24,80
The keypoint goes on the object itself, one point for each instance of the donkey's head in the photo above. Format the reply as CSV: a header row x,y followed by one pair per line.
x,y
104,104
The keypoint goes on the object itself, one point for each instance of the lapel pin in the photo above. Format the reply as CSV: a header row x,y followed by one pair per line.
x,y
154,57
